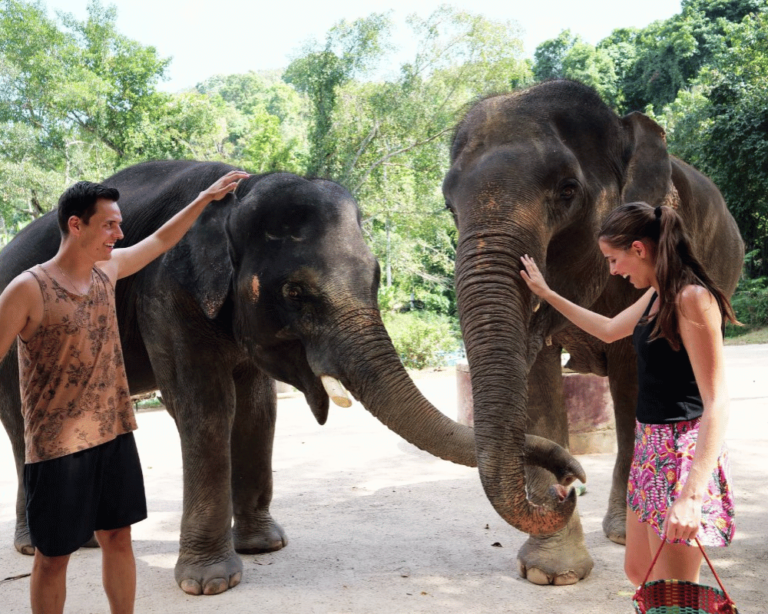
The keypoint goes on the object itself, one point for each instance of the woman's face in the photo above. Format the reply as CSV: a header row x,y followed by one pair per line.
x,y
634,263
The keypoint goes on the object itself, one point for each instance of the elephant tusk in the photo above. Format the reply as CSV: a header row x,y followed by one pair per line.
x,y
336,391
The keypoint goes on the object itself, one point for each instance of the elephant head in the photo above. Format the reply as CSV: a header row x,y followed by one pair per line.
x,y
286,267
535,172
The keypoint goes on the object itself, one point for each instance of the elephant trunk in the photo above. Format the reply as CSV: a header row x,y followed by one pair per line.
x,y
494,316
373,373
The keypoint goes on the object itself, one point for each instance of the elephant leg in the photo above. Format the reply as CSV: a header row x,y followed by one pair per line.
x,y
201,398
561,558
253,436
13,421
622,378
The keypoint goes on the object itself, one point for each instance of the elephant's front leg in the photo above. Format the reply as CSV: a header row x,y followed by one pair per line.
x,y
202,401
622,375
253,435
561,558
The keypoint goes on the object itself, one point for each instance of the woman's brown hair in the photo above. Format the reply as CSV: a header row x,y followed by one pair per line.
x,y
661,229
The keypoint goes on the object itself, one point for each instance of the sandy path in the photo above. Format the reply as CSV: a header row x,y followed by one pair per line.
x,y
378,526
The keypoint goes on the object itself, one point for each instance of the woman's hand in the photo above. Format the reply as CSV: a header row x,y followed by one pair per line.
x,y
533,277
683,519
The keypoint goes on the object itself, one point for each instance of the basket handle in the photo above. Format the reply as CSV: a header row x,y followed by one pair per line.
x,y
698,543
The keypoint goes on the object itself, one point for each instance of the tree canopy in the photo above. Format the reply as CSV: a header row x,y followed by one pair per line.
x,y
78,100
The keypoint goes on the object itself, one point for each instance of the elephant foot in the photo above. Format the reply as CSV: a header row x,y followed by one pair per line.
x,y
615,525
258,535
22,541
198,576
91,543
544,561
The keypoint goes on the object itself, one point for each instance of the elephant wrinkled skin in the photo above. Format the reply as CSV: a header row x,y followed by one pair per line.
x,y
535,172
274,281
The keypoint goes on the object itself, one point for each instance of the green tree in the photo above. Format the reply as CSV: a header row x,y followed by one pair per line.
x,y
78,100
568,56
264,120
720,125
350,49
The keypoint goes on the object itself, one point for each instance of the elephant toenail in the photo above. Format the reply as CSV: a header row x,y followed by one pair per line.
x,y
215,586
191,587
566,578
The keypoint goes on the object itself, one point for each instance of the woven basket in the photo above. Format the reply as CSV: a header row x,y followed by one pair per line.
x,y
680,597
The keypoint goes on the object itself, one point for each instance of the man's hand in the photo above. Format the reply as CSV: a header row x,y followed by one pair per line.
x,y
223,186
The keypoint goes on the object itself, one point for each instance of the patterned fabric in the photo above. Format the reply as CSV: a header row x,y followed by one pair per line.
x,y
660,465
74,389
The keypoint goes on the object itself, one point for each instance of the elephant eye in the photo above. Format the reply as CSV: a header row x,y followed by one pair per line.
x,y
450,208
568,191
292,291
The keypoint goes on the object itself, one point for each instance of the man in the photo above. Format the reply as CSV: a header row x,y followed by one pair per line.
x,y
82,474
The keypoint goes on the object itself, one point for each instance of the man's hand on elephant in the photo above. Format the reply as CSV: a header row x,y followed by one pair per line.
x,y
224,185
533,277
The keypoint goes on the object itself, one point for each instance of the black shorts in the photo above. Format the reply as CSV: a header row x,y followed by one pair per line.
x,y
68,498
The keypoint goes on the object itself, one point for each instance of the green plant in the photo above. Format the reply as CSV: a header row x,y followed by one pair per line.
x,y
422,339
750,301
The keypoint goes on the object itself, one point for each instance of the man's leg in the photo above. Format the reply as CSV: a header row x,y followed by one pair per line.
x,y
118,569
48,583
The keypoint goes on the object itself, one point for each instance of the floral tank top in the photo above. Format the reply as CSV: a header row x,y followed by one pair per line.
x,y
74,388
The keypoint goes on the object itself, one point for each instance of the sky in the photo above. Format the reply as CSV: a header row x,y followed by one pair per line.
x,y
210,37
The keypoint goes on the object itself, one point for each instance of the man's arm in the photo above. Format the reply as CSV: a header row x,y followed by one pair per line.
x,y
20,303
127,261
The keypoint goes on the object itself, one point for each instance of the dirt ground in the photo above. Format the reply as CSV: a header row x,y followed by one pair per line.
x,y
376,525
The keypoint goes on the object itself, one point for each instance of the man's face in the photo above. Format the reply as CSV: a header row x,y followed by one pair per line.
x,y
99,235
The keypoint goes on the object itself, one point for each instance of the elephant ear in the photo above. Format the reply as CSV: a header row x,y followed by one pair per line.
x,y
201,262
648,170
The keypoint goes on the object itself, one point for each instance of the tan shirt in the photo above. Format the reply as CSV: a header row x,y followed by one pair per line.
x,y
74,389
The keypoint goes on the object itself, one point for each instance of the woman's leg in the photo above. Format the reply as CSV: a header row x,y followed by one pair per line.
x,y
677,561
637,553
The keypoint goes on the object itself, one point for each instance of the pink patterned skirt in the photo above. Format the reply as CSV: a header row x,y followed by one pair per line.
x,y
660,465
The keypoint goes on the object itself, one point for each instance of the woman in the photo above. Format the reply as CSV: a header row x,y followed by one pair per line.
x,y
678,486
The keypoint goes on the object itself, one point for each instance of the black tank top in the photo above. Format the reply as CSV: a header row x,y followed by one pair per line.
x,y
667,389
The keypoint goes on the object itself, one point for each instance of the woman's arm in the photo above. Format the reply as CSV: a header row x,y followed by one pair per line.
x,y
700,322
604,328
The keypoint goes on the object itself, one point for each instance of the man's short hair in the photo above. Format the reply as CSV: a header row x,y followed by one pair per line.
x,y
80,200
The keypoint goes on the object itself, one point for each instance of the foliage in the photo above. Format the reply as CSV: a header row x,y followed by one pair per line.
x,y
720,124
78,100
264,121
750,301
569,57
349,49
422,338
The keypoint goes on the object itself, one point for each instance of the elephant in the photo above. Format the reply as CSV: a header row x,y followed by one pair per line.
x,y
274,282
535,171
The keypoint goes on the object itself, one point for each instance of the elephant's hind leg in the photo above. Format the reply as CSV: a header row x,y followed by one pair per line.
x,y
10,414
253,434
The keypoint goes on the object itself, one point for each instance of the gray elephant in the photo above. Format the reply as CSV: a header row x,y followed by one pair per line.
x,y
535,172
279,284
